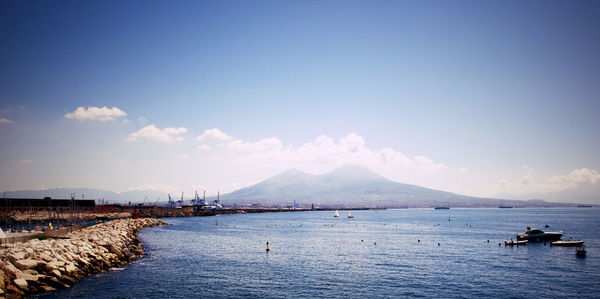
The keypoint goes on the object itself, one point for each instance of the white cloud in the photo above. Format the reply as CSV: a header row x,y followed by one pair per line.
x,y
96,113
529,184
203,147
321,155
214,134
462,170
153,133
577,176
184,156
7,121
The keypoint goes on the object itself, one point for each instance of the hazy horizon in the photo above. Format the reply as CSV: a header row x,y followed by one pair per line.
x,y
475,98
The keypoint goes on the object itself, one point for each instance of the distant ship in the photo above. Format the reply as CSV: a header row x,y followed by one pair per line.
x,y
505,207
336,214
441,208
350,216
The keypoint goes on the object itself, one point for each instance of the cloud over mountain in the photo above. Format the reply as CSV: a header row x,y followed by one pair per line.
x,y
322,153
152,133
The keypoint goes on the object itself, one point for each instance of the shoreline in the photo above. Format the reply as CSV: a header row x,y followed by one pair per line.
x,y
39,266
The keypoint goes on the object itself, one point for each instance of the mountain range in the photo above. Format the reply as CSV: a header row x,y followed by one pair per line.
x,y
346,186
356,186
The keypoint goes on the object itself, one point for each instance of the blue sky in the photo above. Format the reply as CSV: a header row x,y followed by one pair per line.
x,y
480,98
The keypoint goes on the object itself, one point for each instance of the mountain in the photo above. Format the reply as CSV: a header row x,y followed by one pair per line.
x,y
355,186
584,193
88,193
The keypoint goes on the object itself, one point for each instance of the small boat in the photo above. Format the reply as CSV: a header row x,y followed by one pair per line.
x,y
350,216
567,243
536,235
515,243
580,252
336,214
505,207
441,208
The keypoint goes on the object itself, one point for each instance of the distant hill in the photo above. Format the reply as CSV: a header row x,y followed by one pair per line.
x,y
355,186
584,193
135,196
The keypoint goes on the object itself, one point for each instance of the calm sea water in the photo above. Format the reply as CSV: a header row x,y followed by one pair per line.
x,y
375,254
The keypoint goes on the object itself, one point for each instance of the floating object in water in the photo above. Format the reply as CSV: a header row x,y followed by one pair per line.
x,y
580,252
419,240
567,243
268,249
546,226
488,241
438,243
536,235
513,243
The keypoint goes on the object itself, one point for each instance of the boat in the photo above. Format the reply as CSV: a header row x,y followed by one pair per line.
x,y
515,243
537,235
350,216
336,214
441,208
580,252
505,207
567,243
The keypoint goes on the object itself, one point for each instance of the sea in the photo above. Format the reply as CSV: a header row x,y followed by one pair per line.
x,y
455,253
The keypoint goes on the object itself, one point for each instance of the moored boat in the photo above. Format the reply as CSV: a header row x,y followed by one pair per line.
x,y
537,235
336,214
441,208
567,243
515,243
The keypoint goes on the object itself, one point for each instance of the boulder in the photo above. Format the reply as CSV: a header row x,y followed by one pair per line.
x,y
67,280
26,264
10,269
21,283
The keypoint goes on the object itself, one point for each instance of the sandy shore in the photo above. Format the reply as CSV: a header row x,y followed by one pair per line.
x,y
44,265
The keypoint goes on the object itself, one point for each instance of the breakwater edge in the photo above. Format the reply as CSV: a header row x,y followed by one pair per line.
x,y
38,266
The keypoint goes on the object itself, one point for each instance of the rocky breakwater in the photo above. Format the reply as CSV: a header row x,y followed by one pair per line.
x,y
44,265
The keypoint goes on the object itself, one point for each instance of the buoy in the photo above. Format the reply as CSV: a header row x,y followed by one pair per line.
x,y
419,240
374,243
268,249
438,243
488,241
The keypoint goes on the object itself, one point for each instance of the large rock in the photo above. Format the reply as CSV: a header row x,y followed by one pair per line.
x,y
26,264
21,283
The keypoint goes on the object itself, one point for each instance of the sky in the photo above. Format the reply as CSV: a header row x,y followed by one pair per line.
x,y
483,98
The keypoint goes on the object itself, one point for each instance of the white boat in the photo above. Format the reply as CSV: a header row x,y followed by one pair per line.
x,y
536,235
567,243
336,214
349,215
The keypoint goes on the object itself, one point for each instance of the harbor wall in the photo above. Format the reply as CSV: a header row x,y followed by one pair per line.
x,y
38,266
